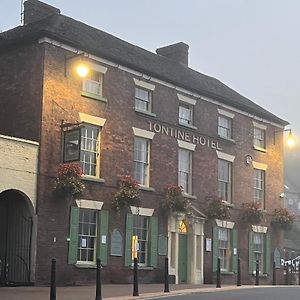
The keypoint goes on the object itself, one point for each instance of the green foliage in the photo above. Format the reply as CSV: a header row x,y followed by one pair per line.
x,y
217,209
252,212
283,218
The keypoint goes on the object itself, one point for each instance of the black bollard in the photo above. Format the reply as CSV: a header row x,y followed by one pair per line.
x,y
274,273
135,278
53,280
218,285
167,287
298,272
98,281
257,273
238,279
287,275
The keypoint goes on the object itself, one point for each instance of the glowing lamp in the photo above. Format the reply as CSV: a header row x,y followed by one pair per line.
x,y
82,70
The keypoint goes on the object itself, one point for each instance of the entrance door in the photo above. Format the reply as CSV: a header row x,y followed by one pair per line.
x,y
182,252
15,236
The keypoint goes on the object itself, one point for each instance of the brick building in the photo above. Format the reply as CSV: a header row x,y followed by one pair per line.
x,y
149,116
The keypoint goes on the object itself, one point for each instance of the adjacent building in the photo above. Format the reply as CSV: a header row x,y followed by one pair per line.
x,y
147,115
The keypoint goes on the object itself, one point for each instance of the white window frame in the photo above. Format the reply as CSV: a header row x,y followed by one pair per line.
x,y
259,136
84,148
186,184
145,181
87,236
182,119
227,183
258,254
259,186
225,251
225,131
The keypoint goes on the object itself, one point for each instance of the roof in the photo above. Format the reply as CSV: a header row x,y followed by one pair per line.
x,y
97,42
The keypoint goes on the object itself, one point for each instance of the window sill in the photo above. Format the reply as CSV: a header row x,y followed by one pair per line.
x,y
86,266
188,126
145,188
192,197
93,96
228,204
227,139
227,273
260,274
259,149
94,179
143,268
147,113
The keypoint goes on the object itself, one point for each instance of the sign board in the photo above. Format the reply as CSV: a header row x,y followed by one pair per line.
x,y
71,145
162,245
208,244
135,246
116,243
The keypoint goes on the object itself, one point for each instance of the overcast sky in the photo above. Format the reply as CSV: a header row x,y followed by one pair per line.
x,y
251,45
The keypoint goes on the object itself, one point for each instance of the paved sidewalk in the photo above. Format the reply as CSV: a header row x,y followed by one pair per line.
x,y
109,291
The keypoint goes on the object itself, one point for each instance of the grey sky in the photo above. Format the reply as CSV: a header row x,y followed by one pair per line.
x,y
251,45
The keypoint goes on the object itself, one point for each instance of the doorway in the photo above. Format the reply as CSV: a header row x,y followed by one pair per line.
x,y
182,253
16,223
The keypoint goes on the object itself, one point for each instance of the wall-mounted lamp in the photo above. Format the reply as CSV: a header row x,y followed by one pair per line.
x,y
290,140
80,66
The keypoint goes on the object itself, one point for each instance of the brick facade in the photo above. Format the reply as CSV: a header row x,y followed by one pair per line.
x,y
38,93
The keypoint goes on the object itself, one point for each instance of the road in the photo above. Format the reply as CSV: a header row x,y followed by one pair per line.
x,y
268,293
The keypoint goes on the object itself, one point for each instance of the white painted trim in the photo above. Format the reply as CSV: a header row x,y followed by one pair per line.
x,y
90,204
141,75
186,99
259,125
11,138
225,113
96,67
143,133
186,145
259,229
143,84
225,224
225,156
142,211
259,166
91,119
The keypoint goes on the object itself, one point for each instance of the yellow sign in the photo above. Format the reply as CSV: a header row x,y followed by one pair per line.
x,y
134,245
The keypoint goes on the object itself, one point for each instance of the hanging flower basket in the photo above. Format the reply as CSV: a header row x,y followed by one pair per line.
x,y
252,212
283,218
127,194
174,201
218,210
68,183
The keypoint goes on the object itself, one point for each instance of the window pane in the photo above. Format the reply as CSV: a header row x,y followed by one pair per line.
x,y
142,99
185,114
224,179
224,127
140,228
185,170
92,84
141,160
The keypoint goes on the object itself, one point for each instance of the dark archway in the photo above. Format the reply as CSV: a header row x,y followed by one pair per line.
x,y
16,224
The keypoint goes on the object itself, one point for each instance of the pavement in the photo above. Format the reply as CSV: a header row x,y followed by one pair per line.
x,y
110,291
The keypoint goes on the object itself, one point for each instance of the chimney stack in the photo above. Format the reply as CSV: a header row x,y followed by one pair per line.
x,y
178,52
35,10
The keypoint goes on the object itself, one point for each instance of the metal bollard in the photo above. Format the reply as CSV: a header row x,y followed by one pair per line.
x,y
53,280
238,280
287,275
218,285
167,287
135,278
274,273
257,273
98,281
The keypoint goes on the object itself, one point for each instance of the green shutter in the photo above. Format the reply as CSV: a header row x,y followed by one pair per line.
x,y
250,253
129,233
267,254
73,235
215,245
153,242
234,245
102,235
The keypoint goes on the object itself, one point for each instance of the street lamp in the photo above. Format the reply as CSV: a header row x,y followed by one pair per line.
x,y
78,64
289,140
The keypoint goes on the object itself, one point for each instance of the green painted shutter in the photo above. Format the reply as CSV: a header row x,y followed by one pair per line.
x,y
250,253
153,242
234,245
128,240
73,235
215,245
102,231
267,254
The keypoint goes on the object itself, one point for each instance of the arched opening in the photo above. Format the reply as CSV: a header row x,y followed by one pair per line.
x,y
16,224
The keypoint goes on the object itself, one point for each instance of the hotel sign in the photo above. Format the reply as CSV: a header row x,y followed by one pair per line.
x,y
184,135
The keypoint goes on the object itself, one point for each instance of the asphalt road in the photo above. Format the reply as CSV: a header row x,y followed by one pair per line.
x,y
269,293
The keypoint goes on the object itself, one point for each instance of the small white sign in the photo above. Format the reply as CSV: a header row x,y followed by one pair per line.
x,y
83,243
137,247
234,251
208,244
103,239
